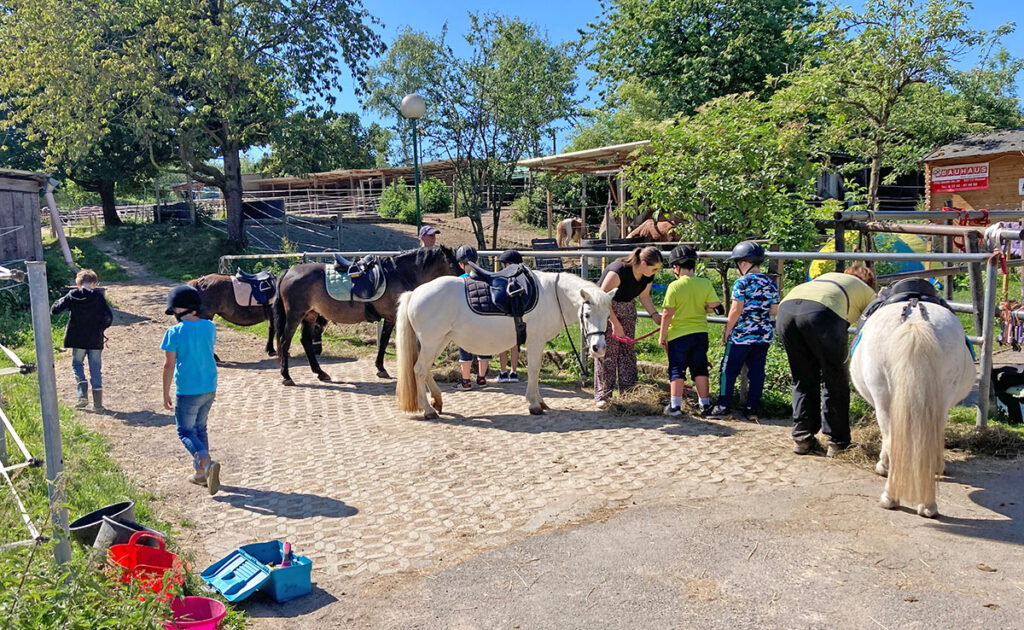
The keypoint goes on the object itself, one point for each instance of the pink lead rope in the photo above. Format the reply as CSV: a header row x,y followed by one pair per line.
x,y
628,341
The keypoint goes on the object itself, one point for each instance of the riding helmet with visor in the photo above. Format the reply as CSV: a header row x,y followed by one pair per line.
x,y
748,251
185,297
466,253
682,254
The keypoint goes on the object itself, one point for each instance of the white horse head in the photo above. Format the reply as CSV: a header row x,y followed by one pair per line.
x,y
594,312
912,364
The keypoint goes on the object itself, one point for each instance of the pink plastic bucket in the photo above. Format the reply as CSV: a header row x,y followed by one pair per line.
x,y
198,613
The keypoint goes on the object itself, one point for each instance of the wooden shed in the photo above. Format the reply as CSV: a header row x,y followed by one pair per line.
x,y
980,171
20,229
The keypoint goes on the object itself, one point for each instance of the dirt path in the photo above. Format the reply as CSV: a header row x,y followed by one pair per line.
x,y
492,518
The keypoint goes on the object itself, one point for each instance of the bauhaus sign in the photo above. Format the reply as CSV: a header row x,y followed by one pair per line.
x,y
959,177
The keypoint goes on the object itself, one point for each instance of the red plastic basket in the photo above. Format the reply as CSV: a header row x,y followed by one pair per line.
x,y
154,569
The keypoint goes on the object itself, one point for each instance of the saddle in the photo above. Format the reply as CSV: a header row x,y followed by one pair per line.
x,y
1008,383
356,281
511,292
915,290
252,289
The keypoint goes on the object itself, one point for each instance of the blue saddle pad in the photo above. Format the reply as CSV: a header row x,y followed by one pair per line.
x,y
341,287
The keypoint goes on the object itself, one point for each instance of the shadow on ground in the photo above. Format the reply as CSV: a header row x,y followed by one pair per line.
x,y
297,505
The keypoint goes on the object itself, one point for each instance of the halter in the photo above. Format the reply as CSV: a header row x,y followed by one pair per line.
x,y
583,334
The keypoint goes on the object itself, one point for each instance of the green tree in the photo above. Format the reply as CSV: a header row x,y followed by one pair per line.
x,y
690,51
884,85
218,76
633,115
738,168
312,142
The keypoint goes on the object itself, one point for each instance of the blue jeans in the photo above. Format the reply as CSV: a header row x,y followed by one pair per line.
x,y
190,414
754,356
78,357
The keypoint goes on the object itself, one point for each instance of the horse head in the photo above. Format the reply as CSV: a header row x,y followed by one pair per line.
x,y
594,311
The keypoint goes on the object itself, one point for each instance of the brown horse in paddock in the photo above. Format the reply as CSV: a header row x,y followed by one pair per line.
x,y
302,297
652,231
570,230
219,299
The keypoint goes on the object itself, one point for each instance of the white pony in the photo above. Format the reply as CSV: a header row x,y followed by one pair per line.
x,y
436,313
912,364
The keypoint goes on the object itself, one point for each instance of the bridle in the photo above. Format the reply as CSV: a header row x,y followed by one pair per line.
x,y
584,334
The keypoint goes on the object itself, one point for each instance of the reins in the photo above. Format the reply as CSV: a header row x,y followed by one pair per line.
x,y
629,341
576,353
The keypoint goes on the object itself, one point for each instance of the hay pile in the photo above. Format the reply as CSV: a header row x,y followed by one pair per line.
x,y
644,399
994,441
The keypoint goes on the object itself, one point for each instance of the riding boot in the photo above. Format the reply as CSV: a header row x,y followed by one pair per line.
x,y
97,399
83,395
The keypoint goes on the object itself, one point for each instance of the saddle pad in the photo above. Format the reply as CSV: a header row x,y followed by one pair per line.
x,y
339,287
248,295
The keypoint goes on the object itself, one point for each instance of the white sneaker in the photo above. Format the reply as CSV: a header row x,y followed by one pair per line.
x,y
672,411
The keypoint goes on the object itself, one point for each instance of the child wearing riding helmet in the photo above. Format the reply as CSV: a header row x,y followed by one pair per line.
x,y
684,329
464,254
749,329
189,362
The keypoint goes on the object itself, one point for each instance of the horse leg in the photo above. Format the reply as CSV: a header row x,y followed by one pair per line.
x,y
284,343
382,345
534,355
882,467
424,379
270,333
307,344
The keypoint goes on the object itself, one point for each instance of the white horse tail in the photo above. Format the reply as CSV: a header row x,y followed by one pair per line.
x,y
917,413
408,353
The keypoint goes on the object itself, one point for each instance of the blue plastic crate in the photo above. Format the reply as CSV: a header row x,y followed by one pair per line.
x,y
246,569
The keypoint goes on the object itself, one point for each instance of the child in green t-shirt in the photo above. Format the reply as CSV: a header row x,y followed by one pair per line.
x,y
684,329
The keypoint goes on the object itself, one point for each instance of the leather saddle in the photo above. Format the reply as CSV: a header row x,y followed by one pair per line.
x,y
263,285
366,275
511,292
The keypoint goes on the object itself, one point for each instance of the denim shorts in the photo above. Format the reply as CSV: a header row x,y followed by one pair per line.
x,y
466,356
688,352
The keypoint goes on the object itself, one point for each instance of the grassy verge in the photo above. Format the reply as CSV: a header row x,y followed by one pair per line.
x,y
34,591
176,252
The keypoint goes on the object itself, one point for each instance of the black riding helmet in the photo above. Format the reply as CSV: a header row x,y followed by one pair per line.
x,y
466,253
681,254
748,251
510,257
185,297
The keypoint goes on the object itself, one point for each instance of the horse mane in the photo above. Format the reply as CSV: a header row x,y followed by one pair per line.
x,y
410,261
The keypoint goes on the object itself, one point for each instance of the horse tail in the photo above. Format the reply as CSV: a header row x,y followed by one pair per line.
x,y
917,412
408,350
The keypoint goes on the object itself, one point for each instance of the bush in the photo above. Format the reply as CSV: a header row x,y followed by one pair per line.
x,y
435,196
394,198
531,208
398,201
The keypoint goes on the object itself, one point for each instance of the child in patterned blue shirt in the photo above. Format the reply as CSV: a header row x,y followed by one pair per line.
x,y
749,329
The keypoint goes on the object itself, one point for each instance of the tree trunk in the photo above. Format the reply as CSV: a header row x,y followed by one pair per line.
x,y
876,173
495,216
106,190
233,196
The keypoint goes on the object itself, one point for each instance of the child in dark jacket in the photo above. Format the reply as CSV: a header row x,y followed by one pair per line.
x,y
90,316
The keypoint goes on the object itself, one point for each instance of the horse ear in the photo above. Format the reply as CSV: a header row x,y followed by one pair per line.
x,y
611,293
585,296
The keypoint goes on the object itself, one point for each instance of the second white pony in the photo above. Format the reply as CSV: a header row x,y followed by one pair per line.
x,y
437,313
912,363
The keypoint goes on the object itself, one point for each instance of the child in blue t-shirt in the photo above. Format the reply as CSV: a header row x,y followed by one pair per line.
x,y
189,360
749,329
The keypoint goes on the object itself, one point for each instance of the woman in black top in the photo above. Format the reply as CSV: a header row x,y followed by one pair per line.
x,y
632,276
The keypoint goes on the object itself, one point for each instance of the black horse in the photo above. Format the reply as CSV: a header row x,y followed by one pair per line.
x,y
302,297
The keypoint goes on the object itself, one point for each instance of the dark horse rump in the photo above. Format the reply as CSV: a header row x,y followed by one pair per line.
x,y
302,295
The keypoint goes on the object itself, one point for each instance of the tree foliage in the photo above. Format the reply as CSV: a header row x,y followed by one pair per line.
x,y
884,85
633,114
312,142
488,109
738,168
690,51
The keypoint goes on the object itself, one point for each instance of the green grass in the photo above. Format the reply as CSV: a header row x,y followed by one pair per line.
x,y
34,591
172,251
87,256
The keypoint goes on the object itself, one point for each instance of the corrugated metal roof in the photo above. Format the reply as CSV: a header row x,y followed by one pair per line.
x,y
602,159
1002,141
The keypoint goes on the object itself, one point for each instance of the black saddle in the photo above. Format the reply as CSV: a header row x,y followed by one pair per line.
x,y
366,274
916,290
263,286
1004,378
511,292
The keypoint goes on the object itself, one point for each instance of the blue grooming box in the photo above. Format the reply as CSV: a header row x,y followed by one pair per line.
x,y
246,570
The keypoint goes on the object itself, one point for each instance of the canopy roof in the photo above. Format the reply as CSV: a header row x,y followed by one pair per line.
x,y
979,144
602,160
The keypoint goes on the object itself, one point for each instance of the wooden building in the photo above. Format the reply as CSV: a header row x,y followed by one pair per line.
x,y
978,172
20,229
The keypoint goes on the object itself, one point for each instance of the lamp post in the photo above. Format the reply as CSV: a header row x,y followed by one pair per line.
x,y
413,108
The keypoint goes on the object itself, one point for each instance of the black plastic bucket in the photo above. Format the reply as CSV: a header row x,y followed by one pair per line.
x,y
119,532
84,529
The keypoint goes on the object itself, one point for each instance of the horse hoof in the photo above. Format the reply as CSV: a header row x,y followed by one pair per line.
x,y
382,373
886,503
289,382
430,414
544,406
323,376
928,511
536,411
881,470
271,353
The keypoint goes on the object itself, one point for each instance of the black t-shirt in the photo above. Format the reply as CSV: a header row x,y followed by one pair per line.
x,y
629,287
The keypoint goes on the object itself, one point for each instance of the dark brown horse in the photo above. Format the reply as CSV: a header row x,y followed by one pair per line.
x,y
302,297
219,299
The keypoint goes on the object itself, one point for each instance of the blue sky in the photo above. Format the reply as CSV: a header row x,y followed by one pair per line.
x,y
562,18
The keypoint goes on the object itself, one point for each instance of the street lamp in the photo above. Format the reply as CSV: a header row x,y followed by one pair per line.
x,y
413,108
